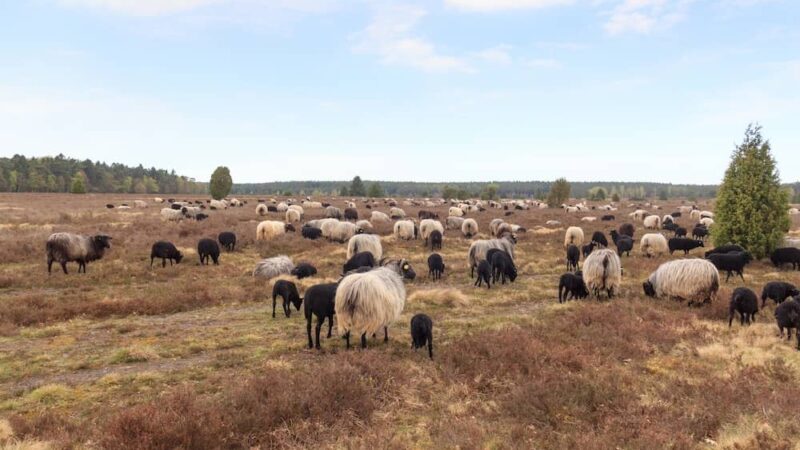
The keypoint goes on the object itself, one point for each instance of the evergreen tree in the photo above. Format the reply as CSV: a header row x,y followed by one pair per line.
x,y
221,183
489,192
357,187
78,184
344,191
559,193
375,190
752,208
615,197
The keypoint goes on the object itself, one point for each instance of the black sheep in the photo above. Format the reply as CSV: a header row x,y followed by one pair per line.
x,y
109,206
607,218
623,242
362,259
502,267
351,214
787,315
423,214
731,262
422,333
288,292
484,274
786,255
200,216
304,270
684,244
311,233
627,229
435,266
599,239
676,214
166,251
728,248
670,226
508,213
778,291
435,239
228,240
587,249
572,284
680,232
573,256
208,248
176,206
744,302
320,300
271,208
699,233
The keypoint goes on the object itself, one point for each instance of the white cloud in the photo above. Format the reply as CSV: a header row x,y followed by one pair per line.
x,y
497,55
504,5
544,63
390,35
645,16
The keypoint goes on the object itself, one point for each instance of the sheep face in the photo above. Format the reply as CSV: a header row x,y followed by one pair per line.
x,y
101,241
290,227
649,290
408,271
178,257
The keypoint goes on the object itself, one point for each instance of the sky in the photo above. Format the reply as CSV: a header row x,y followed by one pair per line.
x,y
438,90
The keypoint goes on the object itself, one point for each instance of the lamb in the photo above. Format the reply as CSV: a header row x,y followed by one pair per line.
x,y
228,240
422,333
602,271
787,315
170,214
684,244
427,226
680,232
367,302
624,243
380,217
573,256
502,267
478,249
652,222
627,229
731,262
303,270
587,249
320,301
351,214
571,284
272,267
484,274
396,213
455,212
688,279
699,232
786,255
406,229
310,232
599,238
745,302
270,229
287,291
400,266
454,222
166,251
208,249
261,209
778,291
727,248
469,228
574,236
359,260
435,266
67,247
653,244
436,240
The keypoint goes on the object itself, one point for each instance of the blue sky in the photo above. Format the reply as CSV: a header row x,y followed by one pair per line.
x,y
445,90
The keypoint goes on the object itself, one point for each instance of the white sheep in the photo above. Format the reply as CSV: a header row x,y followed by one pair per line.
x,y
427,226
365,243
477,250
293,216
270,229
639,214
261,209
158,200
602,271
588,219
469,228
366,302
652,222
379,217
653,244
365,225
272,267
793,211
707,221
406,229
455,211
342,231
139,204
454,222
396,213
494,224
171,214
688,279
311,205
282,207
573,236
66,247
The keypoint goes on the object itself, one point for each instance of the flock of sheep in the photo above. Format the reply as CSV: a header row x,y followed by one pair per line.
x,y
370,293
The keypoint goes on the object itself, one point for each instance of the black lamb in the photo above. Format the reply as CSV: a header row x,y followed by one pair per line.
x,y
351,214
320,301
744,302
288,292
607,218
502,267
573,256
362,259
435,239
304,270
627,229
422,333
571,284
731,262
208,248
484,274
228,240
680,232
786,255
728,248
587,249
599,239
700,232
166,251
787,315
778,291
435,266
311,233
684,244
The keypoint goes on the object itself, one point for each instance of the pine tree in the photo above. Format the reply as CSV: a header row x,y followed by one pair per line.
x,y
375,190
221,183
78,184
357,187
752,208
559,193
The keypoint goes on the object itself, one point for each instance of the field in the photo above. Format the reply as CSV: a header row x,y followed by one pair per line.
x,y
189,356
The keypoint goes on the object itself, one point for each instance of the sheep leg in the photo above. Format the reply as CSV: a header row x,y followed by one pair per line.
x,y
286,309
274,302
320,319
364,340
347,339
308,330
330,325
164,262
430,346
741,274
385,334
64,267
730,318
49,265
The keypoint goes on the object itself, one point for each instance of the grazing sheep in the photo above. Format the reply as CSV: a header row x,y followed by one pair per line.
x,y
786,255
469,228
310,232
484,274
400,266
744,302
171,214
208,249
422,333
599,239
588,219
571,284
319,301
573,256
200,217
455,212
494,225
652,222
435,266
359,260
396,213
109,206
281,207
190,211
707,222
342,231
366,302
706,215
602,271
287,291
166,251
299,209
436,240
587,249
311,205
688,279
680,232
218,204
478,250
684,244
228,240
158,200
351,214
261,209
787,315
552,223
365,243
727,248
270,229
406,229
365,225
607,218
272,267
624,243
423,214
303,270
639,214
427,226
627,229
699,232
731,262
293,216
333,212
502,267
454,222
67,247
778,291
667,219
573,236
653,244
377,216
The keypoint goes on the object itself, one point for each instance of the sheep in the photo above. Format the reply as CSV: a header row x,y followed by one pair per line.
x,y
588,219
427,226
454,222
478,249
139,204
469,228
514,229
333,212
271,208
110,205
602,271
367,302
494,225
573,256
639,214
406,229
794,211
422,333
423,214
571,284
502,267
293,216
455,212
272,267
281,207
261,209
680,232
778,291
435,266
190,211
359,260
706,215
310,232
786,255
400,266
377,216
653,244
627,229
607,218
270,229
287,291
67,247
624,243
351,214
599,238
707,222
365,225
436,240
699,232
574,236
166,251
587,249
228,240
688,279
484,274
731,262
652,222
684,244
303,270
365,243
326,225
787,315
170,214
552,223
158,200
396,213
311,205
667,219
299,210
744,302
208,249
319,301
342,231
218,204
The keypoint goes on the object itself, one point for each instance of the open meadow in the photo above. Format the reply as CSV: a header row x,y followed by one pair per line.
x,y
189,356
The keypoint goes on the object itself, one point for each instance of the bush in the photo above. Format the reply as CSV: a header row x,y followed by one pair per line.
x,y
221,183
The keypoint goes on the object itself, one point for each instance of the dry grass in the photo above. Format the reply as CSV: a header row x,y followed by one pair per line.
x,y
127,356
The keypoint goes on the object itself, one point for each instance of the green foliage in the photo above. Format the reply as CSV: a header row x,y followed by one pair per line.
x,y
287,193
344,191
663,195
449,192
615,197
78,185
357,187
752,208
559,193
597,194
221,183
375,190
489,192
